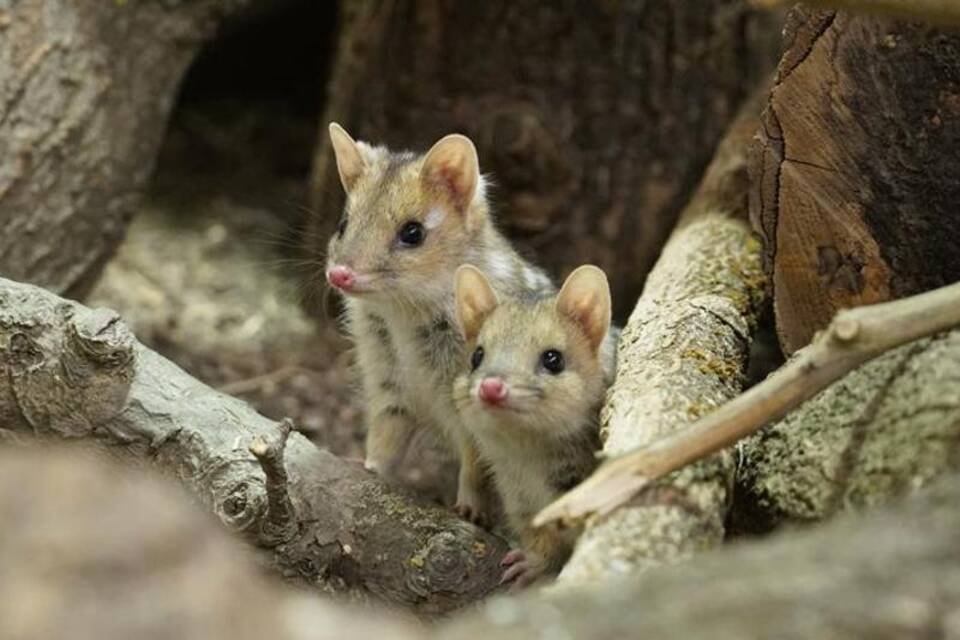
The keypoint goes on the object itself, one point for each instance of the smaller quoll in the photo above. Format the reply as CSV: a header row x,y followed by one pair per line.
x,y
538,371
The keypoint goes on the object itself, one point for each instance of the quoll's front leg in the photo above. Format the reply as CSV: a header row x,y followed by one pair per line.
x,y
390,424
474,500
522,569
542,556
388,437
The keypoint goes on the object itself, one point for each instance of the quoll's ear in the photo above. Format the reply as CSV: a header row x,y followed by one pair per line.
x,y
452,169
350,161
475,299
585,299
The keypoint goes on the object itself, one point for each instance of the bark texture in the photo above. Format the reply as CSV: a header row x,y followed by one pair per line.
x,y
855,181
887,428
76,373
892,574
85,91
596,120
93,550
682,354
853,338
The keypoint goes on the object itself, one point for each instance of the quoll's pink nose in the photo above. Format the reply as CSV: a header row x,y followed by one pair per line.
x,y
341,277
493,391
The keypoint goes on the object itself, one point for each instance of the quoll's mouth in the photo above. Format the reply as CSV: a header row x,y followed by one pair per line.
x,y
495,394
349,281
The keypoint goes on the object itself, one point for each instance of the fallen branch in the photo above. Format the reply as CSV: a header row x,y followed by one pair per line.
x,y
943,11
76,373
854,337
683,352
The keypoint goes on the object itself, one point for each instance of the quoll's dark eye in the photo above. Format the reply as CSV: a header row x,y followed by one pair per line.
x,y
552,361
411,234
342,226
476,358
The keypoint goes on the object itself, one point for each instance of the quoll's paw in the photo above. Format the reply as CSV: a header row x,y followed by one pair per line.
x,y
472,513
521,571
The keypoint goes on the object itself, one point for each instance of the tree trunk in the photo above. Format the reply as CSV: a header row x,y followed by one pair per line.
x,y
682,354
75,373
85,91
596,120
855,172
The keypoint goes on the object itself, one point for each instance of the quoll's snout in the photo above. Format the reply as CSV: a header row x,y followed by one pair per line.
x,y
341,277
493,391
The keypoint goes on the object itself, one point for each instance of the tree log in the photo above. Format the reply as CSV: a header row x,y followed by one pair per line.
x,y
682,354
889,427
75,373
890,574
596,120
85,91
855,181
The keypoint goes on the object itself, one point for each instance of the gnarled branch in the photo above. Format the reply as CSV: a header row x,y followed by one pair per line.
x,y
72,372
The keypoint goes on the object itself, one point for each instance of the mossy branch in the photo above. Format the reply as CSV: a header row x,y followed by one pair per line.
x,y
70,372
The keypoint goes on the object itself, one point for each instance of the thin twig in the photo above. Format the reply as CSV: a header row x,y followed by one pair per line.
x,y
853,337
280,523
255,383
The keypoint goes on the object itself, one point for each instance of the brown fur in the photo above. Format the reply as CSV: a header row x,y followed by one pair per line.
x,y
544,441
408,348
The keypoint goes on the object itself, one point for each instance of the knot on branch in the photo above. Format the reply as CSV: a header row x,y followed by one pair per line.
x,y
71,368
280,523
100,337
441,565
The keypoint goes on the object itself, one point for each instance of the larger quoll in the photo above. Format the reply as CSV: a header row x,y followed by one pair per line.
x,y
410,220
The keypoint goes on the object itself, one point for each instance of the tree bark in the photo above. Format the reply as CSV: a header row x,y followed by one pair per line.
x,y
85,91
854,336
683,353
890,574
595,120
855,181
75,373
887,428
95,550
